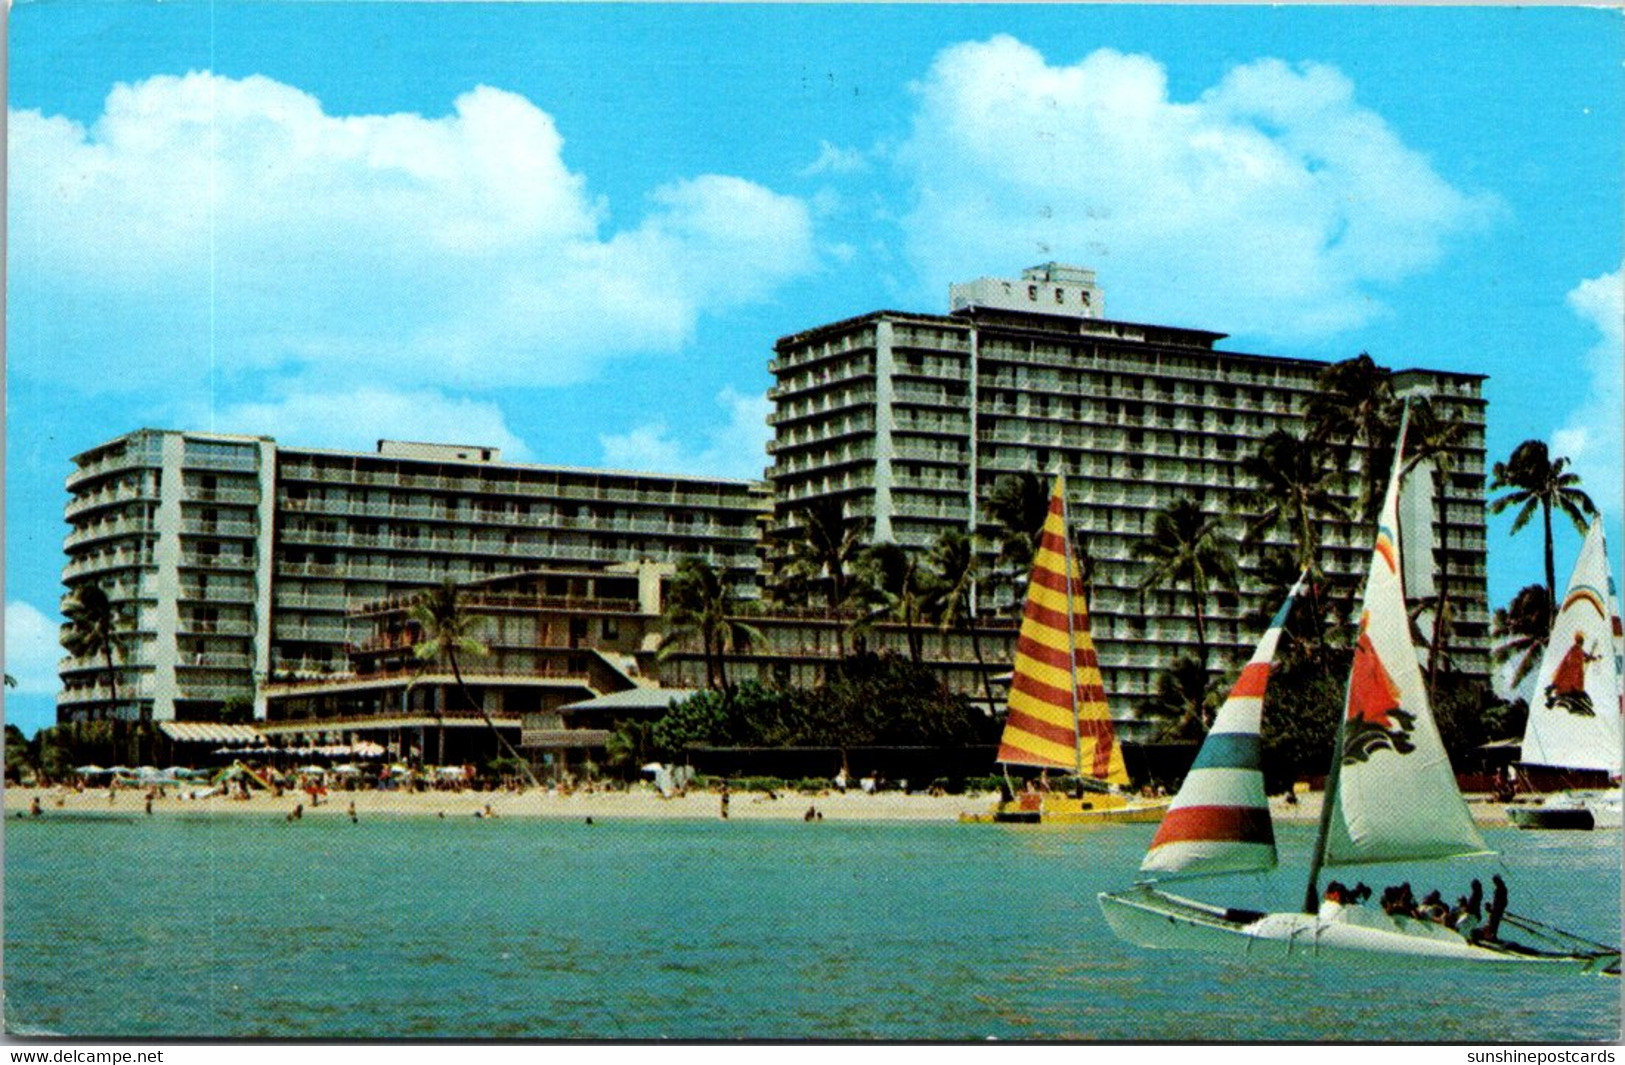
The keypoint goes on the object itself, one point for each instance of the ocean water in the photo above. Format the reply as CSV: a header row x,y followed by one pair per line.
x,y
421,929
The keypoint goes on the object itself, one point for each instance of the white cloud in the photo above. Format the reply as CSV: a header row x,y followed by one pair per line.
x,y
1273,203
835,160
32,648
1593,437
358,419
736,448
204,218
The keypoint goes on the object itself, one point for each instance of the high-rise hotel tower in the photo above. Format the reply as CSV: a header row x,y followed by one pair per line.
x,y
909,419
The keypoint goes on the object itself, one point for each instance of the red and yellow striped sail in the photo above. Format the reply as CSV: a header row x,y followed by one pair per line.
x,y
1057,712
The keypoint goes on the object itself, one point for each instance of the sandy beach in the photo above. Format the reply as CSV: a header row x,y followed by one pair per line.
x,y
640,802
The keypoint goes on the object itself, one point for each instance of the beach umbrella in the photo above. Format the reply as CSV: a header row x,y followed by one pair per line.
x,y
121,769
91,770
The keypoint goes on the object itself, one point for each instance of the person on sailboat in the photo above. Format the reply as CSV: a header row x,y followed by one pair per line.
x,y
1497,908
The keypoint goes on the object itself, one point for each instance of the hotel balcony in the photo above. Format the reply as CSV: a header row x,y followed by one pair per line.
x,y
100,563
204,527
198,560
194,493
121,492
217,592
133,457
191,626
125,526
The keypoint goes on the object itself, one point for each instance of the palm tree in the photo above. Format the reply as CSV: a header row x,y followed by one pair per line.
x,y
951,597
699,603
826,548
1184,699
1354,406
1519,631
1185,548
94,629
1434,437
448,628
1531,479
1294,489
1017,506
889,584
823,553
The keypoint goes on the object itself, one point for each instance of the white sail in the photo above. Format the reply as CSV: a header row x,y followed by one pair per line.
x,y
1574,715
1397,798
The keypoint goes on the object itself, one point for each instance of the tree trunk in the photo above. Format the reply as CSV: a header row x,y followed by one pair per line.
x,y
1201,659
1441,601
1551,573
492,725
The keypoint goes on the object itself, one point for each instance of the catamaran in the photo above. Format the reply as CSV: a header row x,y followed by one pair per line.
x,y
1391,796
1057,716
1574,715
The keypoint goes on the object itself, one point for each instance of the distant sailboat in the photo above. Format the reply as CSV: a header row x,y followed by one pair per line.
x,y
1574,717
1390,797
1057,716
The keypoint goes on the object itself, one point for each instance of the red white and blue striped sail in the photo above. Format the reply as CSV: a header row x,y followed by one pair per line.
x,y
1220,820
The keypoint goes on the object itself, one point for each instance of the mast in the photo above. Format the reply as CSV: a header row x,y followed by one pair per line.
x,y
1311,894
1072,637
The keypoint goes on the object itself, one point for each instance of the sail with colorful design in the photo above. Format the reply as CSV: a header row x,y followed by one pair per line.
x,y
1057,716
1220,820
1396,797
1574,717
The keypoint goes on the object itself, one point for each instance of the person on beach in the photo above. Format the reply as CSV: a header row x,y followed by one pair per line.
x,y
34,809
352,812
811,814
149,804
725,800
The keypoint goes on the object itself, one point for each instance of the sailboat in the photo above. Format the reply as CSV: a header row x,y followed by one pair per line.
x,y
1574,716
1057,717
1390,797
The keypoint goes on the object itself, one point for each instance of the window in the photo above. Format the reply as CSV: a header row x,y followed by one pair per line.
x,y
1032,292
1060,295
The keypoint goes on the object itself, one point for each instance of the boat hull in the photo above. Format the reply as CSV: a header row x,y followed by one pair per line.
x,y
1574,818
1092,809
1576,810
1350,935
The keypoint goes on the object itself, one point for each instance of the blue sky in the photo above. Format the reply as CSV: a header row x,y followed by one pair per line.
x,y
335,222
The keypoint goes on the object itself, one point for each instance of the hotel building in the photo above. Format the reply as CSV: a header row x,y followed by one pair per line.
x,y
240,565
909,419
236,562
